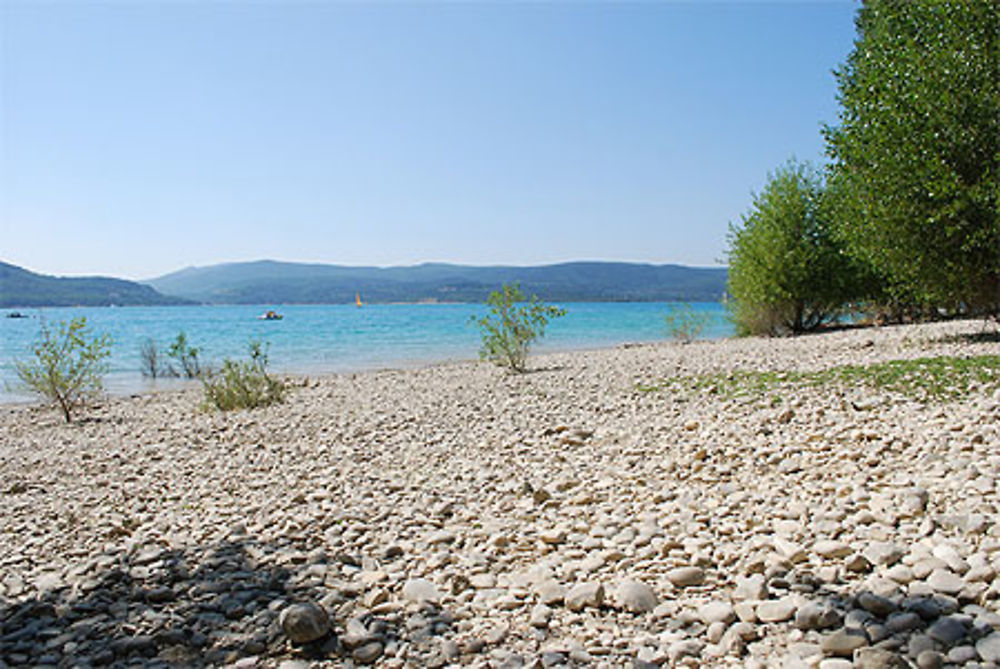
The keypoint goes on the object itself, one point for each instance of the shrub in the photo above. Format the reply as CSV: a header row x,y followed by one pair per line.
x,y
186,357
684,324
512,325
68,365
243,384
151,363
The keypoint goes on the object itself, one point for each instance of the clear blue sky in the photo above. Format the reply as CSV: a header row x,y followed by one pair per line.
x,y
140,138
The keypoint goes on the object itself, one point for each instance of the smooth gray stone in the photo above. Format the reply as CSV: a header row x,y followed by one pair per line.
x,y
948,631
989,648
304,623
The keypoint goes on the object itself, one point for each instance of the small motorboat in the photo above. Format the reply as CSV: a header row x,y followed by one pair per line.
x,y
16,314
270,316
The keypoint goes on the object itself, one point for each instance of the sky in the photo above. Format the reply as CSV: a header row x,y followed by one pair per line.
x,y
138,138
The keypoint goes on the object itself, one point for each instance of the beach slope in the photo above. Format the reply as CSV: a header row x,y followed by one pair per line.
x,y
723,503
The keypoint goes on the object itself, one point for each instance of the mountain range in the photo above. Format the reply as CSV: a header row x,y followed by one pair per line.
x,y
21,288
271,282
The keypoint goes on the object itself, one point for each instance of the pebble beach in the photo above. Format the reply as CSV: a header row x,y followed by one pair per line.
x,y
622,507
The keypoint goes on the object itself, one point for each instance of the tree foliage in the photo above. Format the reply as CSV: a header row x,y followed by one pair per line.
x,y
512,325
786,271
917,152
68,365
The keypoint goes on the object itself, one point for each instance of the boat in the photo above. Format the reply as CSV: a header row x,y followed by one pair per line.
x,y
270,316
357,299
16,314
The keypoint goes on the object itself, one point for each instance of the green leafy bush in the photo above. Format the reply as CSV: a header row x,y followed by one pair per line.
x,y
243,384
787,272
187,358
684,324
68,366
512,325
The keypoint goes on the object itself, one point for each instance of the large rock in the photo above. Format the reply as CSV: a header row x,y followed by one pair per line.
x,y
304,623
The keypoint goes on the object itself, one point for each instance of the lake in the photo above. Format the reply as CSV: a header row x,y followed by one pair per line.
x,y
319,339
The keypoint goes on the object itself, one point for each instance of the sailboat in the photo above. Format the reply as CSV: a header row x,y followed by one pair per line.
x,y
357,299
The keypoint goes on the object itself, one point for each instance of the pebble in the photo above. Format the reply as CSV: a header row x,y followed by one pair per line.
x,y
989,648
635,597
550,592
816,616
947,631
929,659
368,653
717,612
843,642
943,580
776,611
420,590
584,595
832,549
683,577
878,658
304,623
752,587
448,515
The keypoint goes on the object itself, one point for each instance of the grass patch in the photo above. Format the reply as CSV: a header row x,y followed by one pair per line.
x,y
939,378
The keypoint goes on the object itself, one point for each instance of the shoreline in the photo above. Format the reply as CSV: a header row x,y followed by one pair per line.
x,y
590,512
296,375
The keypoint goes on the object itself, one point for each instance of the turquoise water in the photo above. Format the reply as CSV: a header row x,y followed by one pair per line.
x,y
315,339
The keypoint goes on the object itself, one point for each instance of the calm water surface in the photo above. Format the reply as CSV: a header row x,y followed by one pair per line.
x,y
316,339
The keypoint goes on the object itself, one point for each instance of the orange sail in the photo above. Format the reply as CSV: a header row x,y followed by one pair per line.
x,y
357,299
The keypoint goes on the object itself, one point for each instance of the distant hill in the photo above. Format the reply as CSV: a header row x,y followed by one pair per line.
x,y
21,288
273,282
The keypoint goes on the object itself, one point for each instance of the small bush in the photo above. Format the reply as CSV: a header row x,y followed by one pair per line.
x,y
509,330
151,362
68,365
684,324
243,384
187,358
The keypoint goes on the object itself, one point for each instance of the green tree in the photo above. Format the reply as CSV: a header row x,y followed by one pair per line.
x,y
786,271
917,151
68,365
512,325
